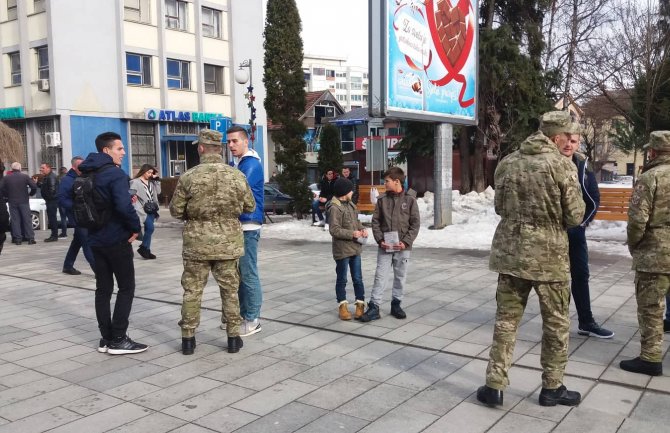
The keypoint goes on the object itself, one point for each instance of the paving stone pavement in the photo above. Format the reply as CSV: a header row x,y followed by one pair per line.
x,y
306,371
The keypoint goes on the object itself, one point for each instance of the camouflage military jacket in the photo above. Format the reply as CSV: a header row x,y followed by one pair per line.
x,y
538,197
210,198
649,218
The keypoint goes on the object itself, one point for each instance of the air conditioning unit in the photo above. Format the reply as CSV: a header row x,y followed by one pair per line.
x,y
52,139
43,85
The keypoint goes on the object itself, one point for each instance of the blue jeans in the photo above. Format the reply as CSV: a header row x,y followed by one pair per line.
x,y
63,220
316,210
148,231
579,273
250,292
79,241
354,265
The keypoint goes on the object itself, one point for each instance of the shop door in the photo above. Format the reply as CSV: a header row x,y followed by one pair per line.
x,y
182,155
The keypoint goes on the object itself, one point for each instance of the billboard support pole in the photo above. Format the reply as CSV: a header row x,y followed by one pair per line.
x,y
443,175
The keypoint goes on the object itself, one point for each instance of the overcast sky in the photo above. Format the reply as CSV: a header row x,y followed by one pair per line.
x,y
336,28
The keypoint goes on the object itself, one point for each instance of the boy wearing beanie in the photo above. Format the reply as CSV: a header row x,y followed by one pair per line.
x,y
348,235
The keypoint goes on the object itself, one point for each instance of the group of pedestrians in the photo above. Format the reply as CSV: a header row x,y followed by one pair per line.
x,y
545,196
327,192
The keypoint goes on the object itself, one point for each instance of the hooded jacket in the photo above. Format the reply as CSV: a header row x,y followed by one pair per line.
x,y
250,165
538,197
343,221
112,185
65,193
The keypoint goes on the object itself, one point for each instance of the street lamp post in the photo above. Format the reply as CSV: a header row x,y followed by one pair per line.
x,y
242,77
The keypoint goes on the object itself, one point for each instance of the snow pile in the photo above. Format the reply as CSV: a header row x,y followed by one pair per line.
x,y
474,223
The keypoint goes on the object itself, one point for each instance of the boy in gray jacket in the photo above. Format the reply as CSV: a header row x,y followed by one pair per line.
x,y
395,226
348,235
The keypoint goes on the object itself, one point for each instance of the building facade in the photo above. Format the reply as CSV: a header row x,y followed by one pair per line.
x,y
154,71
349,84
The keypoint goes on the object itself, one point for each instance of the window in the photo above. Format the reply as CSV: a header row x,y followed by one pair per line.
x,y
319,71
341,86
330,73
43,63
356,79
138,69
356,86
11,10
357,98
365,75
51,155
175,14
136,10
38,6
143,144
214,79
15,68
178,74
342,98
211,23
177,128
341,74
307,76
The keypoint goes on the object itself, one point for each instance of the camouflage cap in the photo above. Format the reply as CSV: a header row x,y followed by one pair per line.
x,y
210,137
659,140
558,122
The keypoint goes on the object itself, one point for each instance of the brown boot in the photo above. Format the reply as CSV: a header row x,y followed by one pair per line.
x,y
344,311
360,309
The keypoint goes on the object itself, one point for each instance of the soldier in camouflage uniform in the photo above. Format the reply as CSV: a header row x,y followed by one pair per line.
x,y
538,197
649,244
210,198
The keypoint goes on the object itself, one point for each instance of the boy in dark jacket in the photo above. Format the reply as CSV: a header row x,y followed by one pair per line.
x,y
395,226
347,232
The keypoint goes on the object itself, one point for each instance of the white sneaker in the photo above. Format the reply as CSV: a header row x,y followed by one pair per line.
x,y
325,228
249,327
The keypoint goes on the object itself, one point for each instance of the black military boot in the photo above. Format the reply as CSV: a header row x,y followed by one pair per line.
x,y
371,314
560,395
234,344
188,345
638,365
490,396
396,311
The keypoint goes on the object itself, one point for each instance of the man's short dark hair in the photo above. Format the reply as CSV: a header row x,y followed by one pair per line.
x,y
106,139
395,173
47,164
75,159
237,128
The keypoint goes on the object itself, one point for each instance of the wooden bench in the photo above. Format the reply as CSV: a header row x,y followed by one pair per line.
x,y
364,204
614,204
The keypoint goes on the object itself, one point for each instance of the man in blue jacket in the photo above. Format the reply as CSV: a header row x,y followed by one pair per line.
x,y
578,250
250,292
80,238
112,245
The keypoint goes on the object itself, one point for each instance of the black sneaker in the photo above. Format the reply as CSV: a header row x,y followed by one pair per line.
x,y
396,311
62,235
51,239
71,271
371,314
594,330
641,366
666,326
103,346
560,395
124,346
145,253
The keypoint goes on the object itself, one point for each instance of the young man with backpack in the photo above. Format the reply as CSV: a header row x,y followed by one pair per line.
x,y
113,225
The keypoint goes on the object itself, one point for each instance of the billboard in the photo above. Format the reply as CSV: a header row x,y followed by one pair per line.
x,y
423,60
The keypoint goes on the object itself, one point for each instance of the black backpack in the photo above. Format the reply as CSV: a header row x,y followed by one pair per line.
x,y
89,208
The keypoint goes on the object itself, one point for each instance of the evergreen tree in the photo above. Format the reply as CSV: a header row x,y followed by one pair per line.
x,y
330,151
285,98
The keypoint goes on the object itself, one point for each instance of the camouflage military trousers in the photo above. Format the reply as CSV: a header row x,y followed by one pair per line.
x,y
650,291
512,296
194,280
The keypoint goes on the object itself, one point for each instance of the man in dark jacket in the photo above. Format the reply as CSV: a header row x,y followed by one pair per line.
x,y
4,213
49,189
325,194
250,291
347,174
578,250
112,245
17,188
80,238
